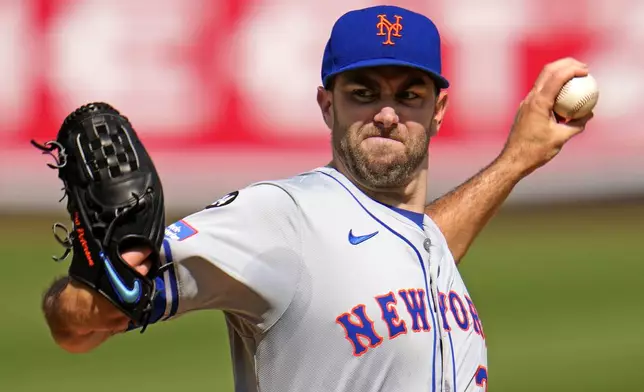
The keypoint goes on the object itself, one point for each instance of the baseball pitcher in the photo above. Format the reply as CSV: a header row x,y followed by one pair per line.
x,y
336,279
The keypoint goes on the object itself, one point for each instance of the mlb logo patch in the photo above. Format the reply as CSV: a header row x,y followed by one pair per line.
x,y
180,231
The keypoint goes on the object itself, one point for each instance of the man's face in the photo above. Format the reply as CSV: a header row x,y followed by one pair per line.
x,y
382,120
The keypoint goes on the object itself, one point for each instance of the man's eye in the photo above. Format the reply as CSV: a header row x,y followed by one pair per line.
x,y
363,93
408,95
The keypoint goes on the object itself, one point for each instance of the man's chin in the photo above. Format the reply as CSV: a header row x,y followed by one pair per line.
x,y
383,177
383,167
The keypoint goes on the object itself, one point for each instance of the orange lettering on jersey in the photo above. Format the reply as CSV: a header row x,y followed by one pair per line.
x,y
414,299
360,329
395,324
459,311
476,321
388,29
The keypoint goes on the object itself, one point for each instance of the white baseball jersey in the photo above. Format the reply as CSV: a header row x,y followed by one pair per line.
x,y
325,289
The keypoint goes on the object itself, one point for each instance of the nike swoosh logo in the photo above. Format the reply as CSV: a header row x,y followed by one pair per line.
x,y
128,295
355,240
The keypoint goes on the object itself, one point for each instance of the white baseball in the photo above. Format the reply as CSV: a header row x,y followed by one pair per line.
x,y
577,97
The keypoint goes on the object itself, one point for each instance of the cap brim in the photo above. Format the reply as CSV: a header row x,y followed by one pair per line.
x,y
439,80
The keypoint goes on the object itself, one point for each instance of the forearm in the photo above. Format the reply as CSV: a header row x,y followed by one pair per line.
x,y
462,213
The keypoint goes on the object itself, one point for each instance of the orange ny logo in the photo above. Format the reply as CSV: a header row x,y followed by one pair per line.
x,y
389,29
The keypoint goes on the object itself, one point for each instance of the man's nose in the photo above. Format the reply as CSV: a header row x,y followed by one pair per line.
x,y
386,118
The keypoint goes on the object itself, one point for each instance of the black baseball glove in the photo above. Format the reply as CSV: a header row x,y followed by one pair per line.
x,y
115,201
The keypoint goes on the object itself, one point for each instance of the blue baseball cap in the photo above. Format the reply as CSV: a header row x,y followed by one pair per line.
x,y
380,36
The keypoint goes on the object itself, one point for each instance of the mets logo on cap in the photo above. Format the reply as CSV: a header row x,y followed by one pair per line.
x,y
388,28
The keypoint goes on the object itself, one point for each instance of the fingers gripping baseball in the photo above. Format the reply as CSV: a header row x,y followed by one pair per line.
x,y
538,134
556,74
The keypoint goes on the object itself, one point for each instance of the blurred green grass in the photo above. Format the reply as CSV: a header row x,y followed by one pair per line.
x,y
558,290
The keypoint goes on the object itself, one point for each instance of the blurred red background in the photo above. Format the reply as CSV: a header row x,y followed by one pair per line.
x,y
208,83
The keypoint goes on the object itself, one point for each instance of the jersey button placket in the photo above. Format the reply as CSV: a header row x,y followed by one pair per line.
x,y
442,334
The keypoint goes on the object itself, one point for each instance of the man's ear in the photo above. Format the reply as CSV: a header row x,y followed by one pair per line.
x,y
442,102
325,101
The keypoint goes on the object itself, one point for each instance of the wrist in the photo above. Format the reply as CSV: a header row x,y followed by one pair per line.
x,y
513,166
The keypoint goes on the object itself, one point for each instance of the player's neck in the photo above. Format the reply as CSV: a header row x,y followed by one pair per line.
x,y
411,197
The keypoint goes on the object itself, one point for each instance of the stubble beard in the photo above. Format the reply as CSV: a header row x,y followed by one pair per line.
x,y
379,175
